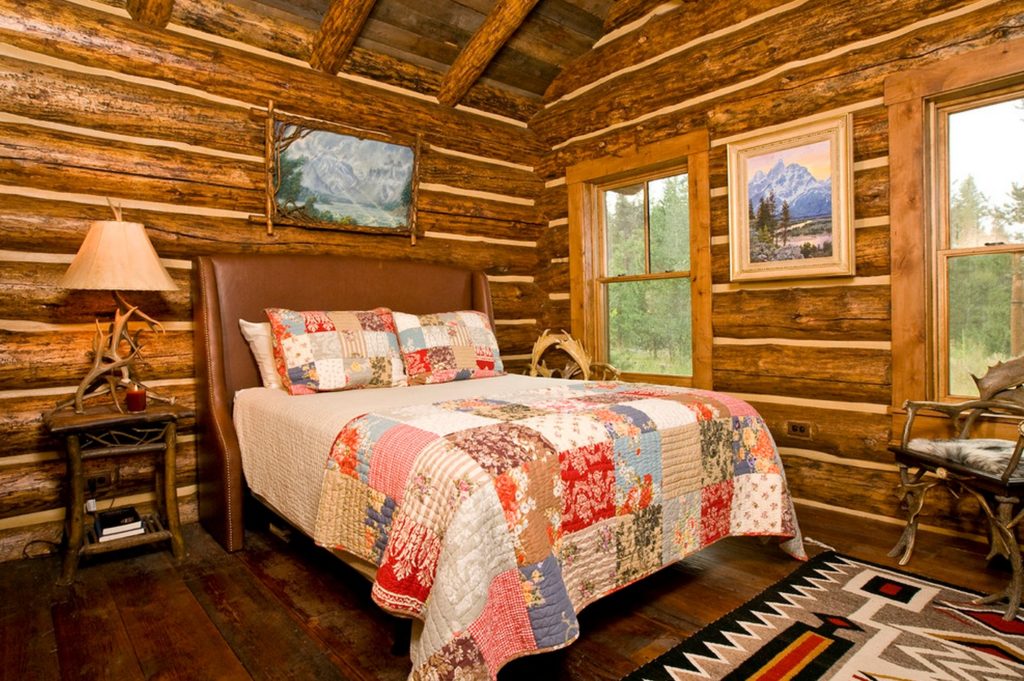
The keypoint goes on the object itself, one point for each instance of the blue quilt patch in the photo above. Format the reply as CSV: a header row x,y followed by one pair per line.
x,y
551,614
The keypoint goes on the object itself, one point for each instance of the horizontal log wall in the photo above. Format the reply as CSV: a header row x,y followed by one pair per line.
x,y
95,105
817,351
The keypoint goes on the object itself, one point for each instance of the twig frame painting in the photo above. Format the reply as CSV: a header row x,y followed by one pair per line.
x,y
326,176
790,207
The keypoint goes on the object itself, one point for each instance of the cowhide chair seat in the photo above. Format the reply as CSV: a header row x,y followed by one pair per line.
x,y
989,456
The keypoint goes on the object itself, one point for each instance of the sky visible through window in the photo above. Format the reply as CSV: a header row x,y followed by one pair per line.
x,y
987,144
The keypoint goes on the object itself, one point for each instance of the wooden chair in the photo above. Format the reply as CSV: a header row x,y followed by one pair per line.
x,y
578,365
988,469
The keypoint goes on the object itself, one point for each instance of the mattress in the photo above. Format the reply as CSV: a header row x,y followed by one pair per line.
x,y
285,439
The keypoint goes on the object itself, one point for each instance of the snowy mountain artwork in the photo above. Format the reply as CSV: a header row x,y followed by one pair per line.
x,y
789,208
807,196
330,179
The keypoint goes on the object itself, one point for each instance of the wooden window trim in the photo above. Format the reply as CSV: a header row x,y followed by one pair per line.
x,y
584,181
907,97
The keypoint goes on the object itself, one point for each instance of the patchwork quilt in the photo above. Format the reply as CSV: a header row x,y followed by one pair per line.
x,y
495,521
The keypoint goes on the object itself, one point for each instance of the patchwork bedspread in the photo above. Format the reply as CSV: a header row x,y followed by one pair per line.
x,y
495,521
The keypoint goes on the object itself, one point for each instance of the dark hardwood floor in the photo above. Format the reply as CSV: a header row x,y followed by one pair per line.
x,y
287,610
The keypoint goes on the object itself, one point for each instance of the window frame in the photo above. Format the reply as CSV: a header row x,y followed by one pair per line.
x,y
604,279
909,98
940,108
587,182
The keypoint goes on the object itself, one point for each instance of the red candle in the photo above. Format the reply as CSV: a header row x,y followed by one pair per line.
x,y
135,399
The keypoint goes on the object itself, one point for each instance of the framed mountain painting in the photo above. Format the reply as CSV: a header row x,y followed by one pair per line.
x,y
790,207
333,177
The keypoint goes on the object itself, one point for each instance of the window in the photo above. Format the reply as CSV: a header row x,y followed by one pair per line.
x,y
979,255
646,275
641,284
955,136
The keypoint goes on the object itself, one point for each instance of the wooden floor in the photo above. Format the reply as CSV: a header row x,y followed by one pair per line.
x,y
281,610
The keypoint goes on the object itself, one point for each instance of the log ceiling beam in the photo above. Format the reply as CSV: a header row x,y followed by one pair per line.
x,y
155,13
625,11
494,32
341,25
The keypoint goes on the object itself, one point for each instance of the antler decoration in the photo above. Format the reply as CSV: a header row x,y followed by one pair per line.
x,y
579,363
107,361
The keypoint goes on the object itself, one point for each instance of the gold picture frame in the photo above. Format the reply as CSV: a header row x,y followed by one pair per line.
x,y
790,206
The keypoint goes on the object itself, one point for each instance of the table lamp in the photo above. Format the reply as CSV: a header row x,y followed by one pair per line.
x,y
116,256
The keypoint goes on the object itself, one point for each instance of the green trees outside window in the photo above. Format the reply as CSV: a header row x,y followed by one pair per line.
x,y
647,276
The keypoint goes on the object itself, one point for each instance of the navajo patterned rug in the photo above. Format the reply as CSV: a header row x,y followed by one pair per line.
x,y
837,617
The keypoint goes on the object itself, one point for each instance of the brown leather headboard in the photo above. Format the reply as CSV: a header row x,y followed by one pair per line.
x,y
227,288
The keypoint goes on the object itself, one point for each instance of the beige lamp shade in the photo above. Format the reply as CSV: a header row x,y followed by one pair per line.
x,y
117,256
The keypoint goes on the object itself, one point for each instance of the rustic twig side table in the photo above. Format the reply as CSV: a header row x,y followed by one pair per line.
x,y
103,432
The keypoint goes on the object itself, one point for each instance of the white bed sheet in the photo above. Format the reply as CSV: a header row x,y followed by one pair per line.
x,y
285,439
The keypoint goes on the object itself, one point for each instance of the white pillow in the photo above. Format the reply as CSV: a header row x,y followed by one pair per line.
x,y
262,345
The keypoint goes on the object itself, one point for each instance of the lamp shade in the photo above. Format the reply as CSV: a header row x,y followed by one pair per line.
x,y
117,256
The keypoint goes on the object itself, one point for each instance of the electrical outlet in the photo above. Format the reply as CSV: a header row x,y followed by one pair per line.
x,y
100,482
798,429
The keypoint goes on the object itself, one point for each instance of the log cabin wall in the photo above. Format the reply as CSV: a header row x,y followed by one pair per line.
x,y
96,105
816,351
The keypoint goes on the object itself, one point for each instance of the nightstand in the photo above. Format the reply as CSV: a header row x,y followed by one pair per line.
x,y
103,432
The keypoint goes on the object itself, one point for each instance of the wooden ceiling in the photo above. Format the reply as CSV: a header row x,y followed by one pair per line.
x,y
498,56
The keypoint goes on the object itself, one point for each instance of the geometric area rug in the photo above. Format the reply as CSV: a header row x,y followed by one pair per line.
x,y
837,617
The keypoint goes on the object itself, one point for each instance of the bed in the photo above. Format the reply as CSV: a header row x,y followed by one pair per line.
x,y
492,510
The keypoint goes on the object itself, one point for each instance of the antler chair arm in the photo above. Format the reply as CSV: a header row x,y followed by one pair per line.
x,y
962,414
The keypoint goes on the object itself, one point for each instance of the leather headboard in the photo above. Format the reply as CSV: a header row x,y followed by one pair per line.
x,y
227,288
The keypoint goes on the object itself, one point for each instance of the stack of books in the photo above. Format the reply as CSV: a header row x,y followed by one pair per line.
x,y
118,523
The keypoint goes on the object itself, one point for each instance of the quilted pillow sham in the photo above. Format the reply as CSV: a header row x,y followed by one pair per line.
x,y
448,346
321,351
